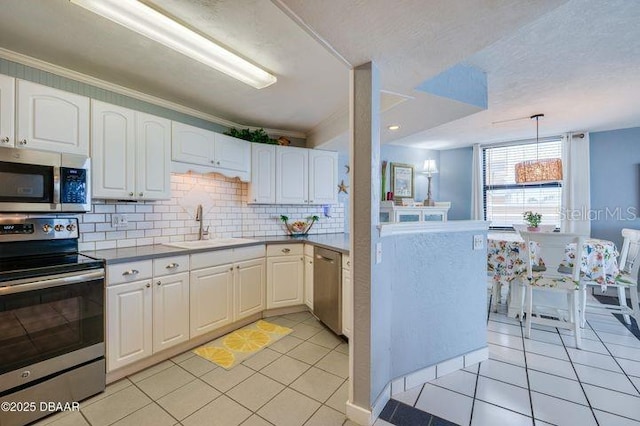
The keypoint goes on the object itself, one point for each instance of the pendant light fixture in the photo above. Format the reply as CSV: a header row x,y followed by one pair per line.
x,y
539,170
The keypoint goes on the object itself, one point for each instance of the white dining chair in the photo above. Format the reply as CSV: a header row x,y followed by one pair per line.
x,y
629,265
552,247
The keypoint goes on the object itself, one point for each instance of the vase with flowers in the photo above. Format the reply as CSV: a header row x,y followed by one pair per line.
x,y
532,219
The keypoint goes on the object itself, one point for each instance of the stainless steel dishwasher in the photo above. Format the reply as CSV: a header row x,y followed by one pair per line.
x,y
327,288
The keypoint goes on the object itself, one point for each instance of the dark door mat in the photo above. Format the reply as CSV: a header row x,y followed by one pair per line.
x,y
613,300
400,414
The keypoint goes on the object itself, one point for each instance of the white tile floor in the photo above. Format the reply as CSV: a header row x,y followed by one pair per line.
x,y
299,380
542,380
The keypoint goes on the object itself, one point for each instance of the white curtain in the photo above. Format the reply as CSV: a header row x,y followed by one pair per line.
x,y
477,203
576,199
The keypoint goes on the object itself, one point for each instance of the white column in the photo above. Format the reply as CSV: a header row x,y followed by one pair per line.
x,y
364,217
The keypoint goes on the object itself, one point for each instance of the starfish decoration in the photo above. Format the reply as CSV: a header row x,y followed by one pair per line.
x,y
342,187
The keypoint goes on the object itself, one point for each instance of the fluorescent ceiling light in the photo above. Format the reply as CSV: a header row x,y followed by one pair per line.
x,y
152,24
393,127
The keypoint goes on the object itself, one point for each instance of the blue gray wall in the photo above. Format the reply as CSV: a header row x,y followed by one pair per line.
x,y
414,157
438,298
615,182
455,181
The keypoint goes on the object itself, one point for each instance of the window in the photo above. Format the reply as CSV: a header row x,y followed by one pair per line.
x,y
504,199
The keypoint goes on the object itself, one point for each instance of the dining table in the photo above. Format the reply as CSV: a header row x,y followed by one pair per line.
x,y
507,263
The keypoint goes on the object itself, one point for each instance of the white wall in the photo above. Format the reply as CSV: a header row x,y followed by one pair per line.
x,y
226,212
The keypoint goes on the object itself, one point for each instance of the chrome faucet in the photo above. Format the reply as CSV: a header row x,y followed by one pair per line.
x,y
199,218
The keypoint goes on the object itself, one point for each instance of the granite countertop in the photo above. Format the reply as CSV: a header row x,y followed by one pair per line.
x,y
338,242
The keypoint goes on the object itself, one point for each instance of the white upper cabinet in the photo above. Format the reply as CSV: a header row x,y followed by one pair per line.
x,y
292,176
214,152
52,120
113,151
153,157
232,153
131,154
7,114
191,144
323,177
263,171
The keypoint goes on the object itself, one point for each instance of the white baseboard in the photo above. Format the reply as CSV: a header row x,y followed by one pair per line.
x,y
358,414
425,375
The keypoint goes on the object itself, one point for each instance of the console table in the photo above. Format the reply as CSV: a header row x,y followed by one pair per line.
x,y
393,213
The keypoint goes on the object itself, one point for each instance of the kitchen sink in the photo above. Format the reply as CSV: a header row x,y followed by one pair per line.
x,y
215,242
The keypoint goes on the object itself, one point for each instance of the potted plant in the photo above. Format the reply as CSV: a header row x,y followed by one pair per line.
x,y
532,219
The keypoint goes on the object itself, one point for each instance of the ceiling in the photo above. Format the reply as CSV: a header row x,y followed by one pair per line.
x,y
575,61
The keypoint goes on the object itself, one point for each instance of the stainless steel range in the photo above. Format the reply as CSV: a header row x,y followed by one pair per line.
x,y
51,319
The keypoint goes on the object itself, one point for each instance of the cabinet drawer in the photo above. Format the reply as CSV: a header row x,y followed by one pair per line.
x,y
247,253
308,250
211,258
285,249
346,263
128,272
170,265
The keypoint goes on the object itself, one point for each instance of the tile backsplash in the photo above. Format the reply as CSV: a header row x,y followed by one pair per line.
x,y
226,210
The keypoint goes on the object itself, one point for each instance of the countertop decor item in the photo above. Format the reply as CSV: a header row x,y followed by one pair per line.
x,y
532,219
383,182
402,181
258,135
299,228
429,168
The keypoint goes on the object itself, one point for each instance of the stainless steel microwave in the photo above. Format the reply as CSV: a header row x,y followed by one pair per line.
x,y
38,181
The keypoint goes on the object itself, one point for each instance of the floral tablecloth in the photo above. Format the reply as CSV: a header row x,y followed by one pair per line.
x,y
506,258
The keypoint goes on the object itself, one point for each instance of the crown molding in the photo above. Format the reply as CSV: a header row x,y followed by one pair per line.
x,y
112,87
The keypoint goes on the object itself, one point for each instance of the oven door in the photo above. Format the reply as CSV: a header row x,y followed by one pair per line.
x,y
50,324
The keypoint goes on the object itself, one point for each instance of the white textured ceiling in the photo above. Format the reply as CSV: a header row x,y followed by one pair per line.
x,y
576,61
312,83
579,65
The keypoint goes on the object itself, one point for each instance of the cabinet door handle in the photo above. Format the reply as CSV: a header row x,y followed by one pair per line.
x,y
148,285
237,266
286,250
131,194
159,283
311,201
172,265
213,162
23,142
231,269
5,139
131,272
140,194
218,163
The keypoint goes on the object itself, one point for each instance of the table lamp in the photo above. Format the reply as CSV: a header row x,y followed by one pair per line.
x,y
429,168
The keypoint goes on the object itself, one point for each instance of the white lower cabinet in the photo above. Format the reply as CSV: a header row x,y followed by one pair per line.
x,y
211,299
129,323
146,315
227,286
308,276
249,288
347,297
285,275
170,311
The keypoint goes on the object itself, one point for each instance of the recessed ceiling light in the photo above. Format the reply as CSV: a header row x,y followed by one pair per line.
x,y
152,24
393,127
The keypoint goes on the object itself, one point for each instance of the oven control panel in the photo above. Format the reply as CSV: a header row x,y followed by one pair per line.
x,y
25,229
